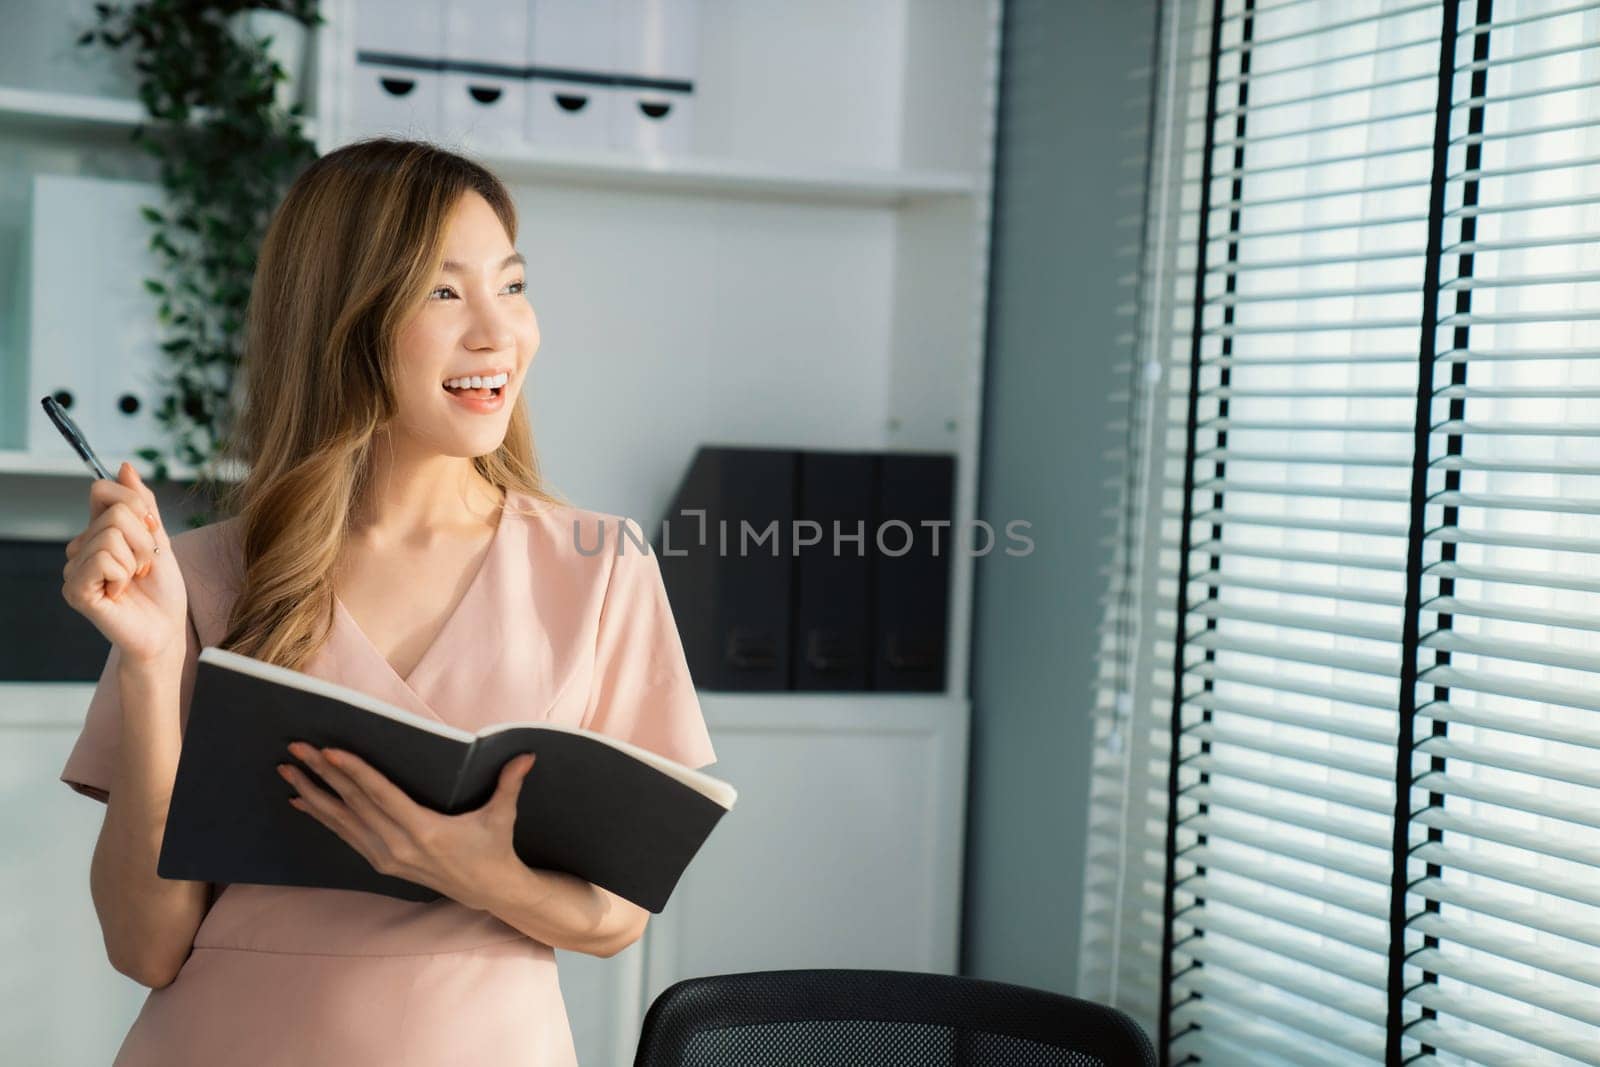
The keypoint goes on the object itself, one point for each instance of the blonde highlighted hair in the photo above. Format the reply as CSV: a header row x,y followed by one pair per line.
x,y
348,256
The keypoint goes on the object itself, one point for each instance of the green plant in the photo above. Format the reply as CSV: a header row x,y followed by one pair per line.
x,y
227,152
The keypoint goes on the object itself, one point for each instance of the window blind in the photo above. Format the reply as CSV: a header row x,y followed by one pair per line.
x,y
1345,807
1505,880
1291,567
1120,942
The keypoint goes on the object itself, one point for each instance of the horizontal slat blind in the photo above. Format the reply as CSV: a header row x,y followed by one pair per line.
x,y
1293,582
1348,795
1508,891
1120,946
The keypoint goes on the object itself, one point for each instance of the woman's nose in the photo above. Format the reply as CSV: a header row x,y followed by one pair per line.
x,y
490,327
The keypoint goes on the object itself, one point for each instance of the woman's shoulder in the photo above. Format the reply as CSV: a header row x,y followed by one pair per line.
x,y
583,539
562,519
212,548
212,564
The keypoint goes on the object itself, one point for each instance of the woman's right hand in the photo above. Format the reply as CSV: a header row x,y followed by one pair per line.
x,y
114,577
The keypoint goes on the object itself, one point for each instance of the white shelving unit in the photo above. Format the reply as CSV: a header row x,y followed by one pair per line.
x,y
47,109
812,273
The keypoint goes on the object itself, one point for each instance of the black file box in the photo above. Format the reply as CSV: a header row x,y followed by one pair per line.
x,y
788,615
731,593
833,578
911,590
42,637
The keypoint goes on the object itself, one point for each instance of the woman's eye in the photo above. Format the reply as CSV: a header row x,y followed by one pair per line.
x,y
520,286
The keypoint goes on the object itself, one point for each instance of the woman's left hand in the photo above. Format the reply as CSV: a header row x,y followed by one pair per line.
x,y
458,855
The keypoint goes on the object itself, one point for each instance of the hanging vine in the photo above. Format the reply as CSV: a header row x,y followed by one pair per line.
x,y
227,152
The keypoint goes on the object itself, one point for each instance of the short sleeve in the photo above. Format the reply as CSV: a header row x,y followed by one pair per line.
x,y
642,691
89,764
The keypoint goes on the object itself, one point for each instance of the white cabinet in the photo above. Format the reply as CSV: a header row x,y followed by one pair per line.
x,y
59,998
844,849
808,270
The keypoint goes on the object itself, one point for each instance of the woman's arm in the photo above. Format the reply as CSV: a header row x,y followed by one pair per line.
x,y
148,922
563,910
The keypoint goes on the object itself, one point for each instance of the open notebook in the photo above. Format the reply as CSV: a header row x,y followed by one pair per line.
x,y
610,812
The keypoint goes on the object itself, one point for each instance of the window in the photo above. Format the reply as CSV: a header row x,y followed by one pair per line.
x,y
1345,806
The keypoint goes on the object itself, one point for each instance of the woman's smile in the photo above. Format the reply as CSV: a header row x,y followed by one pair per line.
x,y
479,401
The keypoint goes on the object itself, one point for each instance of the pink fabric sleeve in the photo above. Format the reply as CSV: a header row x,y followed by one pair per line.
x,y
89,764
642,692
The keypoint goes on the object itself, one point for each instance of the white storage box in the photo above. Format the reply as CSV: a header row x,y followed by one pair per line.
x,y
94,338
570,95
483,87
656,54
394,76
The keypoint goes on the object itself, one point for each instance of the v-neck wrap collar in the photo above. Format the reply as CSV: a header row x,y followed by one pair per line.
x,y
519,646
466,650
437,665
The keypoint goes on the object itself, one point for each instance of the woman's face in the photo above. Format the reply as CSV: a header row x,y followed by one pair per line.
x,y
475,321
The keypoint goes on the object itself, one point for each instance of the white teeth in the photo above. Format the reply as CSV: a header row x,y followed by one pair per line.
x,y
476,382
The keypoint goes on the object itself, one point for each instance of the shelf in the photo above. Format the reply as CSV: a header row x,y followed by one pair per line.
x,y
66,464
78,113
67,111
71,112
831,711
850,185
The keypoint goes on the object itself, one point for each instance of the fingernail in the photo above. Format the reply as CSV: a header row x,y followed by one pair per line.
x,y
150,519
283,771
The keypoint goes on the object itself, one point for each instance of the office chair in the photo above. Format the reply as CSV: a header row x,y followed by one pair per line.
x,y
866,1018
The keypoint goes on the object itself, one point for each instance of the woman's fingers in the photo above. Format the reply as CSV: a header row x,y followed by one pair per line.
x,y
389,823
123,516
326,809
366,829
111,568
136,535
106,559
127,505
139,498
103,492
151,515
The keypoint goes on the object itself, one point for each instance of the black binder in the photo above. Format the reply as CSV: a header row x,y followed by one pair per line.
x,y
911,592
806,617
731,594
832,647
51,641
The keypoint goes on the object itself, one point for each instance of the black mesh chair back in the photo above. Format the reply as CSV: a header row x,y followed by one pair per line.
x,y
866,1018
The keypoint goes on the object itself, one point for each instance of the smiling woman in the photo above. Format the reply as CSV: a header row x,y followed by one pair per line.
x,y
393,536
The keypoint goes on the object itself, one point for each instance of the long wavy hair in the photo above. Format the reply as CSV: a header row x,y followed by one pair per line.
x,y
347,258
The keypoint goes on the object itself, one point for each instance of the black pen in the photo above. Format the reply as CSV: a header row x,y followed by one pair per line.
x,y
74,436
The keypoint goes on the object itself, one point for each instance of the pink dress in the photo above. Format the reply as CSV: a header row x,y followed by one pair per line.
x,y
548,629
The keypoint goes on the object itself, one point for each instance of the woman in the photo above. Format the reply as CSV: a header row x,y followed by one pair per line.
x,y
393,535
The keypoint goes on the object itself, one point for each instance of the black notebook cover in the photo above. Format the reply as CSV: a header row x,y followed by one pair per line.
x,y
593,806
